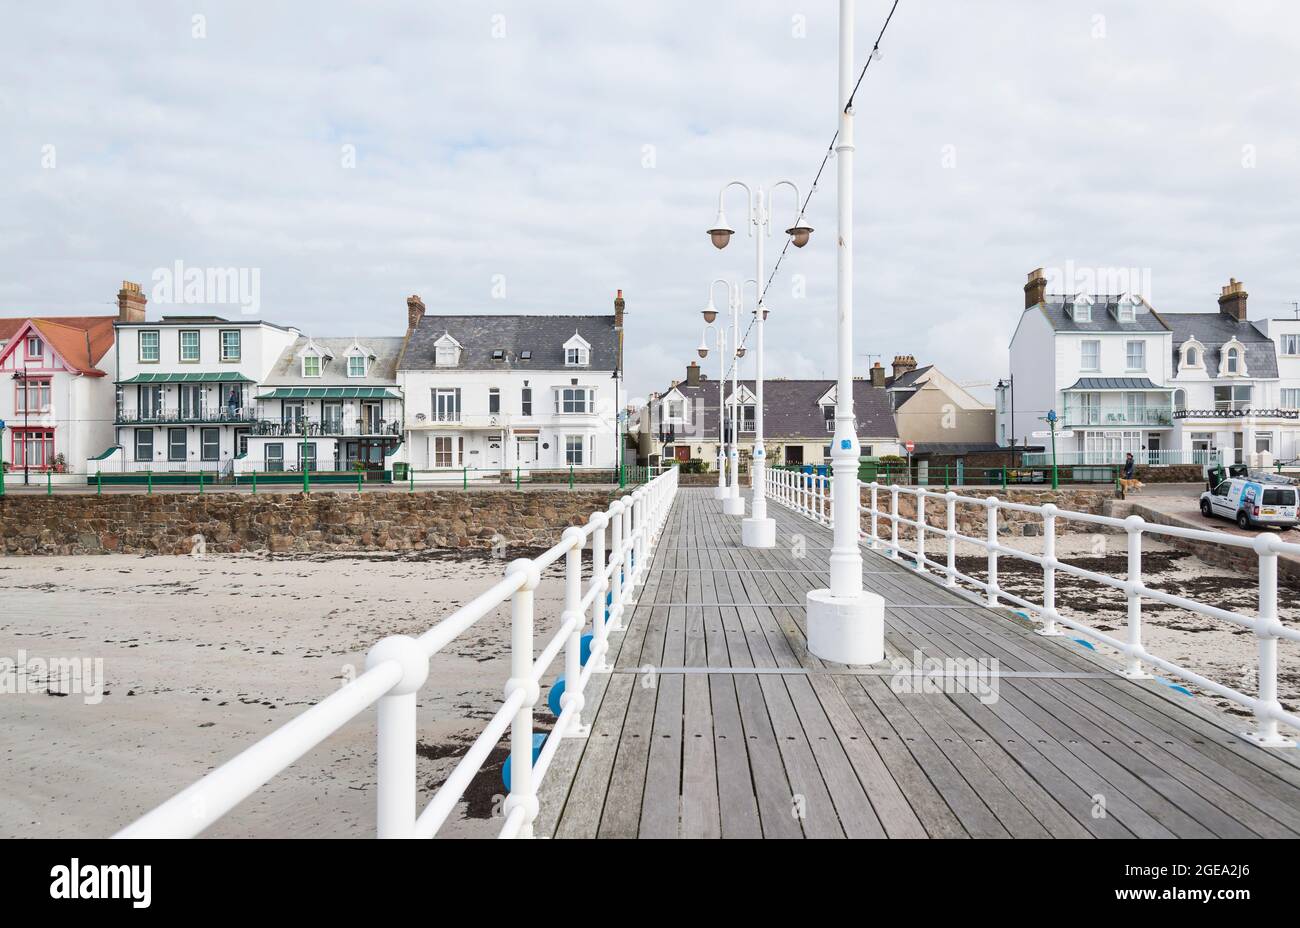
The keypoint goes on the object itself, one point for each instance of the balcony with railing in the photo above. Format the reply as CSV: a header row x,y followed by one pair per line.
x,y
175,415
1113,417
1147,457
1236,410
329,426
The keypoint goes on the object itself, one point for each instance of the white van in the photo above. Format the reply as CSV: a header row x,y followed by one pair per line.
x,y
1252,502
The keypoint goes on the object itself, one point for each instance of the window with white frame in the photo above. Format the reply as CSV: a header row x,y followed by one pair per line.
x,y
577,357
311,365
1233,361
231,344
1290,398
494,400
148,341
356,365
1136,355
676,409
443,451
747,417
446,355
1290,344
35,347
1127,312
526,401
574,446
1090,354
1082,312
144,444
31,395
189,345
573,400
1263,442
1136,405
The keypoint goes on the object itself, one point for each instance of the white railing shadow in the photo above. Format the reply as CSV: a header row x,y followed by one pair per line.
x,y
398,666
810,496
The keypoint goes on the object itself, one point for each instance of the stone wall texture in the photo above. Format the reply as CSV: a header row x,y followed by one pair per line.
x,y
167,523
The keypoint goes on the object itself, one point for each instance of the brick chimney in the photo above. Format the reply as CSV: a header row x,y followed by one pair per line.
x,y
130,303
1036,289
619,306
414,310
1232,301
877,375
693,374
902,364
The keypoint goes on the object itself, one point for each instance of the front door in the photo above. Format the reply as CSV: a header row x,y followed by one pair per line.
x,y
1153,450
682,452
794,455
1238,447
493,458
527,451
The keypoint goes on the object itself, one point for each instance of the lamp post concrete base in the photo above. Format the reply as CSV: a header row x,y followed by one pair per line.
x,y
734,505
720,492
846,629
758,533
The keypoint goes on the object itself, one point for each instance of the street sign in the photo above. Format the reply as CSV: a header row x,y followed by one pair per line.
x,y
910,446
1045,433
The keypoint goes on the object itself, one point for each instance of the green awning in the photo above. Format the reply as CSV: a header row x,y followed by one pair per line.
x,y
190,377
330,393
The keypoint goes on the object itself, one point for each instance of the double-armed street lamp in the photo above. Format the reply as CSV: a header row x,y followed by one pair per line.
x,y
728,451
846,623
758,531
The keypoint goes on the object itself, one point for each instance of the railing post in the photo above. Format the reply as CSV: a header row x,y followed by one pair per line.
x,y
570,476
254,481
951,498
920,529
875,504
49,483
991,536
893,518
615,563
1132,665
1004,478
1049,571
200,481
629,540
359,474
599,632
573,688
395,754
1266,628
99,482
149,482
523,791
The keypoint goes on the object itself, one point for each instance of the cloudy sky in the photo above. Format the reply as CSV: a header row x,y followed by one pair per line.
x,y
524,157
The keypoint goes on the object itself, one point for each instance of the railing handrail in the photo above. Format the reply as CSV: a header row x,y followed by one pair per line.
x,y
809,494
398,666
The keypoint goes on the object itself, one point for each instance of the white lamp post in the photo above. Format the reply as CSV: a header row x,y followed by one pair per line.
x,y
733,504
758,531
846,623
710,313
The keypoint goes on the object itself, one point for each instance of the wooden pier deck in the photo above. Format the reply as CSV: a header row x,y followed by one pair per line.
x,y
717,722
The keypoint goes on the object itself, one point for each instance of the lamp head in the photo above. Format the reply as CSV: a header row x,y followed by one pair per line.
x,y
740,352
710,312
721,232
799,233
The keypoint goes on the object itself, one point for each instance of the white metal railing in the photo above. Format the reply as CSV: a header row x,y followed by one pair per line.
x,y
398,666
810,495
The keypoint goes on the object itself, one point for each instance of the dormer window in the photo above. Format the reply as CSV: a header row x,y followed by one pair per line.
x,y
311,365
1193,358
446,351
356,365
577,352
1233,359
1083,308
1193,355
35,347
1126,311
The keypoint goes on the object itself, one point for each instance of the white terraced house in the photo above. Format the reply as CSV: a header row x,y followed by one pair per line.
x,y
328,404
494,393
186,388
1102,362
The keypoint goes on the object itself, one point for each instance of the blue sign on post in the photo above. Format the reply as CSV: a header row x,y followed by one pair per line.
x,y
846,443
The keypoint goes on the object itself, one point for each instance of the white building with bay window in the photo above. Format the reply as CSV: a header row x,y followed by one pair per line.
x,y
492,393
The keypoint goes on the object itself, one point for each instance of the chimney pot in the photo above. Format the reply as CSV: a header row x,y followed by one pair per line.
x,y
1232,300
414,310
693,374
131,303
1036,289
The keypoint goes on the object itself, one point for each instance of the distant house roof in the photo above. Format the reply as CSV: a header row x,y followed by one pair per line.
x,y
1115,383
957,447
542,337
1058,311
381,369
81,341
791,409
907,379
1214,330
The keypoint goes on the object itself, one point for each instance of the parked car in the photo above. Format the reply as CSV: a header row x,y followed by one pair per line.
x,y
1253,501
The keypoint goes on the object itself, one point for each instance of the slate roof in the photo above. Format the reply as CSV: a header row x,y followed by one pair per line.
x,y
791,410
907,379
1057,310
479,336
1115,383
1213,330
382,371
